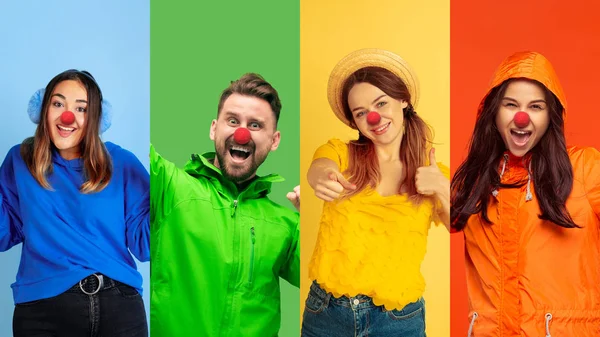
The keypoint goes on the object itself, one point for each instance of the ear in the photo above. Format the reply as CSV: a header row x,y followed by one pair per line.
x,y
276,140
213,129
403,104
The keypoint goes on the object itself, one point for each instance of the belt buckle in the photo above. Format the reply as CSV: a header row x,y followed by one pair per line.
x,y
100,285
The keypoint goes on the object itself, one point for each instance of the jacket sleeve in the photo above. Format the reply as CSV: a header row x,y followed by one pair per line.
x,y
290,270
11,227
137,207
592,178
162,177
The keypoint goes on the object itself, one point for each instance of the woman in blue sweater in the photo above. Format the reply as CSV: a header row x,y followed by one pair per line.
x,y
80,207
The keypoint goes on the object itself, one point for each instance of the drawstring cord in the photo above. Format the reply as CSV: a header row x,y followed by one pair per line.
x,y
475,315
495,190
548,319
528,194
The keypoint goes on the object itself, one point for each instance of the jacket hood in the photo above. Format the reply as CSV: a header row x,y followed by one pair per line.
x,y
530,65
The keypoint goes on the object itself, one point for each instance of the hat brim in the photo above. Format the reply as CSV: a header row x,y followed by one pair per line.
x,y
370,57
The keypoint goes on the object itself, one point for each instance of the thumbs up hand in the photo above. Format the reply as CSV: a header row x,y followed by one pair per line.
x,y
429,180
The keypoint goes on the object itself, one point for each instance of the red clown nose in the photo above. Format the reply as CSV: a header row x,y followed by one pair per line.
x,y
521,119
241,136
373,118
67,117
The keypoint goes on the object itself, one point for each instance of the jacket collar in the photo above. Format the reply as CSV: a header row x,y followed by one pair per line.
x,y
203,166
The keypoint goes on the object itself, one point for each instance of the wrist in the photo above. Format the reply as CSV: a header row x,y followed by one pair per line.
x,y
443,190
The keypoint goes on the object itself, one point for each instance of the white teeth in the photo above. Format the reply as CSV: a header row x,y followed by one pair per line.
x,y
521,132
382,128
237,148
65,129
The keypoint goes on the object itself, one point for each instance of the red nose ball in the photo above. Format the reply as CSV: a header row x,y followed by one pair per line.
x,y
373,118
67,117
241,136
521,119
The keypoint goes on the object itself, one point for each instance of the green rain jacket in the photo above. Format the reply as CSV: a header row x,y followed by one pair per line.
x,y
217,253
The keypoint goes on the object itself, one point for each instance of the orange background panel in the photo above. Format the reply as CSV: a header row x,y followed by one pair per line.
x,y
482,34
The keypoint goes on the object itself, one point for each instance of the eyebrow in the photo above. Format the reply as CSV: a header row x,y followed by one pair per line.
x,y
514,100
250,120
375,100
231,114
63,97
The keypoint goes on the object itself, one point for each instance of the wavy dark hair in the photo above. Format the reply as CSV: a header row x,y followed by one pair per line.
x,y
363,167
552,172
37,150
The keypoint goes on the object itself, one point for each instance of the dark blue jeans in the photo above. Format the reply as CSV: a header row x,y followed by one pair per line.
x,y
112,309
327,316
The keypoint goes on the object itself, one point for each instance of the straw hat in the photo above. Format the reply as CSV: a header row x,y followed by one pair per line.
x,y
368,58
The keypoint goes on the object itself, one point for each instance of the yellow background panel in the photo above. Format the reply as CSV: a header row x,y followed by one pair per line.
x,y
418,31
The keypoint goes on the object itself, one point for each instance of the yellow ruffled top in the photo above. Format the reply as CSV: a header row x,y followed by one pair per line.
x,y
371,245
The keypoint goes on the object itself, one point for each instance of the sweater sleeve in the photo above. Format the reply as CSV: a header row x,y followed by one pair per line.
x,y
137,207
11,227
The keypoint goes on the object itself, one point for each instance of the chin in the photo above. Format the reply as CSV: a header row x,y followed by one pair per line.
x,y
519,152
61,147
237,169
238,176
387,139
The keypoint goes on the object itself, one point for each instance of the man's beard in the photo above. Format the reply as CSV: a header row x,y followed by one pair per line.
x,y
235,172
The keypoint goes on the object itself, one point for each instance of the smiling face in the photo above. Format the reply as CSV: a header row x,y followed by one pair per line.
x,y
68,97
364,98
528,97
239,162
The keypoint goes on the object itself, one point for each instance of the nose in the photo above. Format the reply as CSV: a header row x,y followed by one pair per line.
x,y
242,136
521,119
67,117
373,118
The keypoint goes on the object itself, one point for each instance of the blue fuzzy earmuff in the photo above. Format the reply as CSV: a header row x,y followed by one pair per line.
x,y
34,110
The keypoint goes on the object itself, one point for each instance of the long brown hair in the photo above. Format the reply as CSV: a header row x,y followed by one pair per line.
x,y
552,171
37,150
363,167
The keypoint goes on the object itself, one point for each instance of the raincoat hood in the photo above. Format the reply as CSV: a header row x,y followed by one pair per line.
x,y
529,65
525,276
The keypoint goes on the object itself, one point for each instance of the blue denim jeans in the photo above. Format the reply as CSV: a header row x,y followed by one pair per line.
x,y
110,308
327,316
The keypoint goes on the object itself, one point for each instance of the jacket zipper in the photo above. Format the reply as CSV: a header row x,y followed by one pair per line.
x,y
475,315
235,202
252,242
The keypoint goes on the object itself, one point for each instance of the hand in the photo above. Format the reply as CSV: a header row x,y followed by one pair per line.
x,y
294,197
429,179
331,185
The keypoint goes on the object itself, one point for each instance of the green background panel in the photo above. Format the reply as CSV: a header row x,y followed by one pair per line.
x,y
196,49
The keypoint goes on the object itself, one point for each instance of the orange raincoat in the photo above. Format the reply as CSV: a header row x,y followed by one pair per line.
x,y
526,276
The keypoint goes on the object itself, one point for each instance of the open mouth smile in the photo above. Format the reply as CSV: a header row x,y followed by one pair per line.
x,y
239,153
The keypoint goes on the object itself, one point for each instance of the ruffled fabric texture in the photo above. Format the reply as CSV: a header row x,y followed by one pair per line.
x,y
372,245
